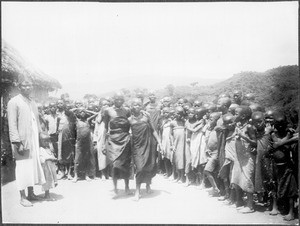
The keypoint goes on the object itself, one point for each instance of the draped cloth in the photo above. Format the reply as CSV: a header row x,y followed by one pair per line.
x,y
262,148
66,142
230,158
243,167
29,171
143,152
84,147
118,147
179,145
196,140
166,140
102,159
202,147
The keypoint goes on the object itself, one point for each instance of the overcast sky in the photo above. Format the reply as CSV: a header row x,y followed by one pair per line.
x,y
100,47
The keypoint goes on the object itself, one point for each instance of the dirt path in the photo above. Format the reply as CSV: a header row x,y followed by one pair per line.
x,y
91,202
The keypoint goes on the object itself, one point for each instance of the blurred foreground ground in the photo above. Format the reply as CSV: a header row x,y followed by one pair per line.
x,y
91,202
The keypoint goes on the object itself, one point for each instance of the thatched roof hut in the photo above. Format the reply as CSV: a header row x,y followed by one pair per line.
x,y
13,65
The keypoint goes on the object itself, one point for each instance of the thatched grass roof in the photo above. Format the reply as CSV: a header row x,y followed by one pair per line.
x,y
13,66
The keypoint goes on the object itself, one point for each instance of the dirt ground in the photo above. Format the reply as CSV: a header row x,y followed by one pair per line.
x,y
91,202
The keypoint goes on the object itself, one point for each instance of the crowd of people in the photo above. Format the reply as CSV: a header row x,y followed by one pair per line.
x,y
246,154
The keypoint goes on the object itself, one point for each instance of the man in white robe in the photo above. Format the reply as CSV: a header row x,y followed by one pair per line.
x,y
24,129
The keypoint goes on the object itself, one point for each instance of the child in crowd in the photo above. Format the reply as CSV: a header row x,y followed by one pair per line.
x,y
178,136
212,151
244,165
280,150
166,140
190,123
48,162
84,146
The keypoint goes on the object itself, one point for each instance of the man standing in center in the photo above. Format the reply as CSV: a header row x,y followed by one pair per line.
x,y
118,146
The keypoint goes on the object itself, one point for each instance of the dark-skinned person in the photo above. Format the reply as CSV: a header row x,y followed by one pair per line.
x,y
212,151
143,148
166,140
48,161
24,127
84,146
225,171
51,122
99,138
200,148
153,109
66,129
237,97
232,108
189,125
282,141
223,105
178,141
243,171
263,170
118,145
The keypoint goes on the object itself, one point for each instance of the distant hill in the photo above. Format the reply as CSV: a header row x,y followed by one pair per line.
x,y
277,88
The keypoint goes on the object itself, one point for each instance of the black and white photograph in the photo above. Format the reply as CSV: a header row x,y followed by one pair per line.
x,y
149,112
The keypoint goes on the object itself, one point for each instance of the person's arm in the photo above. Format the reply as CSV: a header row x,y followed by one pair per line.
x,y
154,133
249,137
91,112
288,139
198,127
12,114
91,118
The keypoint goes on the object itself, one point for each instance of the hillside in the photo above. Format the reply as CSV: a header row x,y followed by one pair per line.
x,y
277,88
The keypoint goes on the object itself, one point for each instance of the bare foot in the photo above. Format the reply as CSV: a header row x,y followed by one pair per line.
x,y
222,198
25,203
289,217
127,191
246,210
148,189
137,197
49,198
274,212
116,194
75,179
87,178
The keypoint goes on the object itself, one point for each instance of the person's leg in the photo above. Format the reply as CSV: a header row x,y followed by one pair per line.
x,y
31,195
188,181
275,210
87,178
291,215
24,202
249,207
227,190
201,177
75,179
148,188
167,167
211,179
48,197
137,192
127,190
69,176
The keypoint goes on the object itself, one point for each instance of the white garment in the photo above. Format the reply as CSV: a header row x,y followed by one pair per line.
x,y
24,174
39,177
